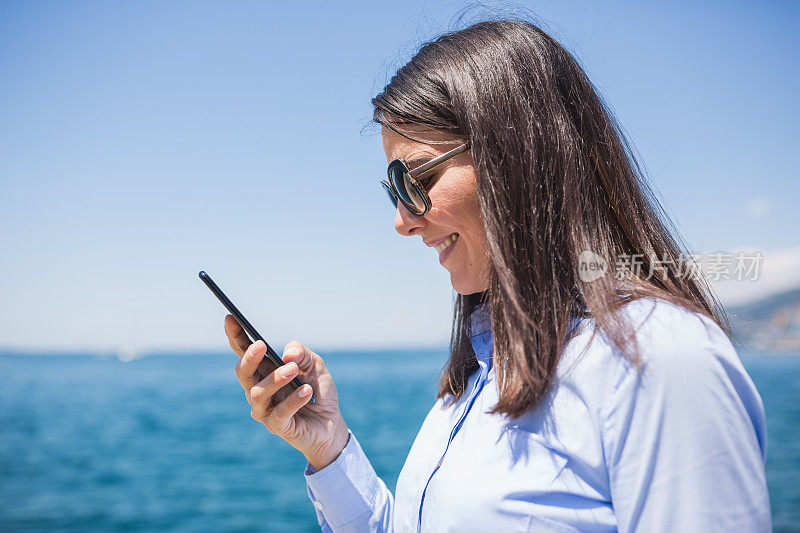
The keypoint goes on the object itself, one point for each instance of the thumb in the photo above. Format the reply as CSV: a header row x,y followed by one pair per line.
x,y
300,355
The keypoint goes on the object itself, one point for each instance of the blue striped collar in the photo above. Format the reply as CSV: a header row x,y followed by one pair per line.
x,y
480,335
480,321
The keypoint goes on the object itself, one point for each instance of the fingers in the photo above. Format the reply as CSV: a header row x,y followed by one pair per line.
x,y
281,420
261,393
296,353
237,338
247,365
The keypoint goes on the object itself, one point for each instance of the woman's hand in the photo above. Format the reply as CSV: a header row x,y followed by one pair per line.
x,y
317,430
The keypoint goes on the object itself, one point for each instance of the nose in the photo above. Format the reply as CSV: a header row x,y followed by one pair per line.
x,y
407,223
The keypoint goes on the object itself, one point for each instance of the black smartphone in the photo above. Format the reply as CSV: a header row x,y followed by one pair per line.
x,y
250,330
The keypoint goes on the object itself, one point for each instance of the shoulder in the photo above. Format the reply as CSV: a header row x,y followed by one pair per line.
x,y
666,334
676,346
663,327
687,361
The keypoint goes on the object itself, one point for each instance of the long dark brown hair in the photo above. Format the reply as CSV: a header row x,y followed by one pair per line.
x,y
555,177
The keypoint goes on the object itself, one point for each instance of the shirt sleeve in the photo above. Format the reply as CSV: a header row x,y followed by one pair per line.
x,y
685,441
348,495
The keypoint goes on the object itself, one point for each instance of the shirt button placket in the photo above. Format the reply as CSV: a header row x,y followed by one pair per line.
x,y
476,389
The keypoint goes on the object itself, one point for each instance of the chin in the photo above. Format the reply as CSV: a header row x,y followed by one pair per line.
x,y
466,287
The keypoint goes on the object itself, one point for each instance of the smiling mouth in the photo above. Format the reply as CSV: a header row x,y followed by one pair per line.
x,y
442,246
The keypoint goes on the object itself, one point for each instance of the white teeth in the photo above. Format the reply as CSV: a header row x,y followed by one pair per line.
x,y
442,246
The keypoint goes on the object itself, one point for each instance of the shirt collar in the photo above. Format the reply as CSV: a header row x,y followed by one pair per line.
x,y
480,334
480,322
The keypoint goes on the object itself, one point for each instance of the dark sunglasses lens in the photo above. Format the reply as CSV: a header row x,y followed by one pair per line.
x,y
389,192
409,194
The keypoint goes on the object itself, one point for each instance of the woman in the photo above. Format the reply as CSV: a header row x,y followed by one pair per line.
x,y
591,384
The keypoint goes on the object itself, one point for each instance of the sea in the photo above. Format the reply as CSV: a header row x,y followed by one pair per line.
x,y
166,442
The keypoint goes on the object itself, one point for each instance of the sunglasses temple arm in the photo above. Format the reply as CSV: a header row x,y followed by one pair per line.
x,y
438,160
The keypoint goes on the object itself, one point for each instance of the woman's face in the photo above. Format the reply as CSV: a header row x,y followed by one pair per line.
x,y
454,213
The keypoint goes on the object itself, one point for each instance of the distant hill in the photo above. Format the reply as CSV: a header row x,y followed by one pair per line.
x,y
769,324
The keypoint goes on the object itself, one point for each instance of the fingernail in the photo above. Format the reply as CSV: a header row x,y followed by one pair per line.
x,y
288,370
305,390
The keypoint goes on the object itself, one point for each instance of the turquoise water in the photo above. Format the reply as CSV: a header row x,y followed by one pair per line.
x,y
167,442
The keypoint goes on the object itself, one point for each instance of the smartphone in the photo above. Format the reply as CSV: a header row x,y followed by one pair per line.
x,y
250,330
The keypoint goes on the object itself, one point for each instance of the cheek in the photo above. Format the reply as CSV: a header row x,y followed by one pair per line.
x,y
455,204
456,208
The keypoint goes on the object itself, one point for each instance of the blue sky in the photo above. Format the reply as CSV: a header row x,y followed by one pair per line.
x,y
141,142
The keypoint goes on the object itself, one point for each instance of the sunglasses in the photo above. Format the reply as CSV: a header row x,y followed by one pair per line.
x,y
406,185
